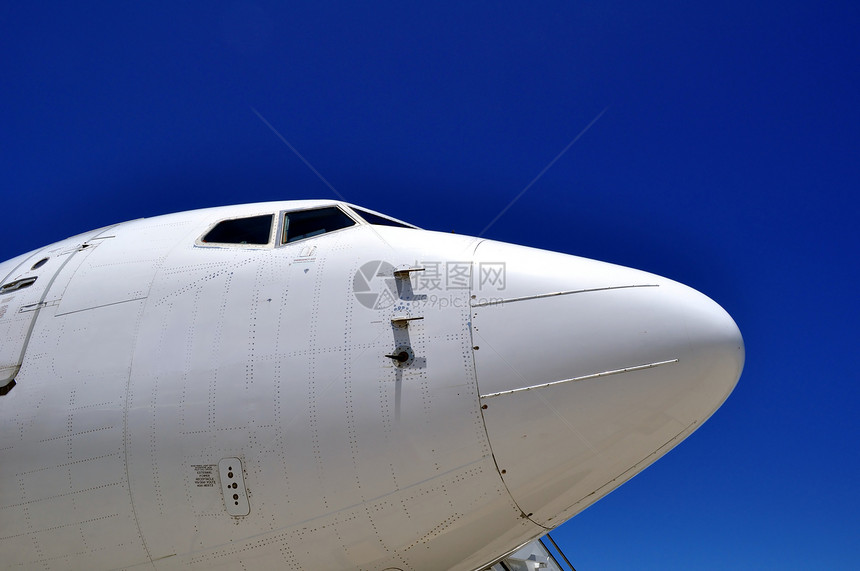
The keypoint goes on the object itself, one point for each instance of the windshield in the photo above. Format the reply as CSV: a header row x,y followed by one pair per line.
x,y
307,223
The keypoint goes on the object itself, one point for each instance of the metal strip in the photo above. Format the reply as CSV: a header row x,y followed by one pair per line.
x,y
556,293
557,548
582,378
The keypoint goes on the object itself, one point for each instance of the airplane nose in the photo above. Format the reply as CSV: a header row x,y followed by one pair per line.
x,y
588,372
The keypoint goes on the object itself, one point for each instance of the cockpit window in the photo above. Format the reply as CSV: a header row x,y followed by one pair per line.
x,y
306,223
252,230
378,220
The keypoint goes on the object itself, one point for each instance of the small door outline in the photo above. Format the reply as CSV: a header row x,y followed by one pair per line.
x,y
28,286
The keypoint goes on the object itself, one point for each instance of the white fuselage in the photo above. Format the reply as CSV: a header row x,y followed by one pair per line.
x,y
370,397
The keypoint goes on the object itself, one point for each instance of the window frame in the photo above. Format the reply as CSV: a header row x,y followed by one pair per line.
x,y
268,245
277,237
358,210
281,238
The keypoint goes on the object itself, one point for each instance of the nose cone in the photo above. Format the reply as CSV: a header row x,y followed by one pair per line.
x,y
589,372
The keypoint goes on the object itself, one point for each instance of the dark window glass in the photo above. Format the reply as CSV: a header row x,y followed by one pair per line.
x,y
39,264
307,223
253,230
372,218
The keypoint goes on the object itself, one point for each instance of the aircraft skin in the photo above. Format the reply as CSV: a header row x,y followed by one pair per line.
x,y
372,397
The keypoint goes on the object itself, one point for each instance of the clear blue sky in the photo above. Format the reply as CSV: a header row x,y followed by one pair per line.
x,y
727,158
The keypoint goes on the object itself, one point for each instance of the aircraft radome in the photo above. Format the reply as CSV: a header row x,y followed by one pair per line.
x,y
311,385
